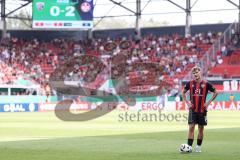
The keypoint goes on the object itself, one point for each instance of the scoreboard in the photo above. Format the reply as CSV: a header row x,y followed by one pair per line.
x,y
76,14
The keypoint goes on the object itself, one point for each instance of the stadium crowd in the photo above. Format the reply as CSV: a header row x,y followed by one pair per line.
x,y
37,60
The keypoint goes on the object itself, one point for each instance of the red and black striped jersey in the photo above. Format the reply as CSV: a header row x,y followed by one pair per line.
x,y
198,94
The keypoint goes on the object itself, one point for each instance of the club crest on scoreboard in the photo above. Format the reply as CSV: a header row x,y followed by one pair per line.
x,y
40,6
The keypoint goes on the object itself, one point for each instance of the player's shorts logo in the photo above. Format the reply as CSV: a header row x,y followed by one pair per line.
x,y
205,118
40,6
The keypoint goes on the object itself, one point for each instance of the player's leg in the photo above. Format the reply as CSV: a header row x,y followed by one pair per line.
x,y
191,134
200,133
200,138
191,122
202,121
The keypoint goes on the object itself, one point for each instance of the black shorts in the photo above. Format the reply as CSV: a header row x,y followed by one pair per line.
x,y
197,118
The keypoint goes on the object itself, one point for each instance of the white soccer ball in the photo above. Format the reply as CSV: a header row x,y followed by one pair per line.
x,y
185,148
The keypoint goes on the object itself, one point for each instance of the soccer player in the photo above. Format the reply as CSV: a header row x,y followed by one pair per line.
x,y
197,105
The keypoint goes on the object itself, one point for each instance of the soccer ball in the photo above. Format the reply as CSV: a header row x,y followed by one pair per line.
x,y
185,148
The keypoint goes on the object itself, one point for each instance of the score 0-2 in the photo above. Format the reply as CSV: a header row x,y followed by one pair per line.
x,y
68,10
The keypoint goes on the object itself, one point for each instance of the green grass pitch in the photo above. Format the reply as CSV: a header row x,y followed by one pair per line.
x,y
41,136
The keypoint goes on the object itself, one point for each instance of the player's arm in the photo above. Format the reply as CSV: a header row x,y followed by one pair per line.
x,y
184,91
215,93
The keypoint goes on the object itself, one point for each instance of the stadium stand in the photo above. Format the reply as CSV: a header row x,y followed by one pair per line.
x,y
228,63
36,60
